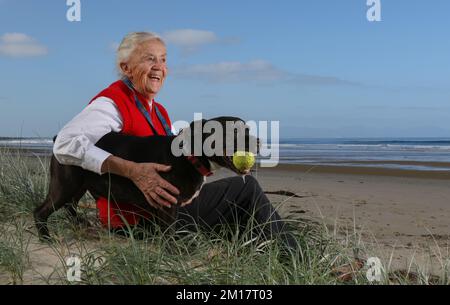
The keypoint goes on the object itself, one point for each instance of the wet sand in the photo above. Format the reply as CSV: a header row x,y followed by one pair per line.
x,y
400,213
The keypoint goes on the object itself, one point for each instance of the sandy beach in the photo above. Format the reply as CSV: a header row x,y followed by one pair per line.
x,y
398,213
399,216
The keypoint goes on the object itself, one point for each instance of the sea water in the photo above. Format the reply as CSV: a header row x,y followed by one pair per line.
x,y
402,153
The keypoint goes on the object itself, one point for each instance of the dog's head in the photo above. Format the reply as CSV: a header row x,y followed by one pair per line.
x,y
219,138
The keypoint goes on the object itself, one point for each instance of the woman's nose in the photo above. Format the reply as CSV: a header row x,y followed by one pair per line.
x,y
158,67
159,64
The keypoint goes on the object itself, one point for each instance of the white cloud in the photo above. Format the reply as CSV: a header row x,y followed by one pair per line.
x,y
20,45
256,71
188,39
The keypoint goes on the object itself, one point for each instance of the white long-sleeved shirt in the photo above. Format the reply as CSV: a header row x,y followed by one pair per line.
x,y
75,143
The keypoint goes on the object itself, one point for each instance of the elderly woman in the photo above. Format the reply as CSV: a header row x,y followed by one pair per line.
x,y
127,106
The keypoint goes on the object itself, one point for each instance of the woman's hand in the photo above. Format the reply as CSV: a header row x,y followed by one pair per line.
x,y
154,188
146,177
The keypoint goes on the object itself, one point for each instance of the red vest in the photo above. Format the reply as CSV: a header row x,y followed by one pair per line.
x,y
133,123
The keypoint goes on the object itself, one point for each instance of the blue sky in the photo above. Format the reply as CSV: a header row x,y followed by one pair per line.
x,y
317,66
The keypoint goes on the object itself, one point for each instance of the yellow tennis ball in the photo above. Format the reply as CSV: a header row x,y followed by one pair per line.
x,y
243,160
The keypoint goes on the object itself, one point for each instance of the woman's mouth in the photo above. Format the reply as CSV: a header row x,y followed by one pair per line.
x,y
155,78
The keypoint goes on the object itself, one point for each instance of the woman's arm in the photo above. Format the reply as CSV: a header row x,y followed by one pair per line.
x,y
75,145
146,178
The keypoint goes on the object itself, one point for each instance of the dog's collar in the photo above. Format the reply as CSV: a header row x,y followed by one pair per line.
x,y
199,166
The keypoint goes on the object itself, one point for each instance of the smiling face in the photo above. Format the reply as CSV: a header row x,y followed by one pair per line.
x,y
146,67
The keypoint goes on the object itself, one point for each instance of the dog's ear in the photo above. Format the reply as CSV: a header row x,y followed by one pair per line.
x,y
224,119
195,124
196,132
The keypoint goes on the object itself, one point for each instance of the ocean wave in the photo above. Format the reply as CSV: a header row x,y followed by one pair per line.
x,y
361,147
20,141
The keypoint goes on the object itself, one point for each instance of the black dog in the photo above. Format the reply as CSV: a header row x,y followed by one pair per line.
x,y
69,183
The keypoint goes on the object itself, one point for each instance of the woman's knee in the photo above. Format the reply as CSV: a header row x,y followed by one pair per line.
x,y
246,183
246,180
250,179
252,183
254,193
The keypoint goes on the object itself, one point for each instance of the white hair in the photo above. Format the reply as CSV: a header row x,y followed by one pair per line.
x,y
129,43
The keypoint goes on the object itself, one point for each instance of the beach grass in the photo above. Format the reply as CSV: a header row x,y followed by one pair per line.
x,y
14,245
23,181
326,256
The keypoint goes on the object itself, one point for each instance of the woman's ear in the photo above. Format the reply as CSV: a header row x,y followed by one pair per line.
x,y
125,69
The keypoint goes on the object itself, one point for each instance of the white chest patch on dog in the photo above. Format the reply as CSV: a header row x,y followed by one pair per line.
x,y
195,194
